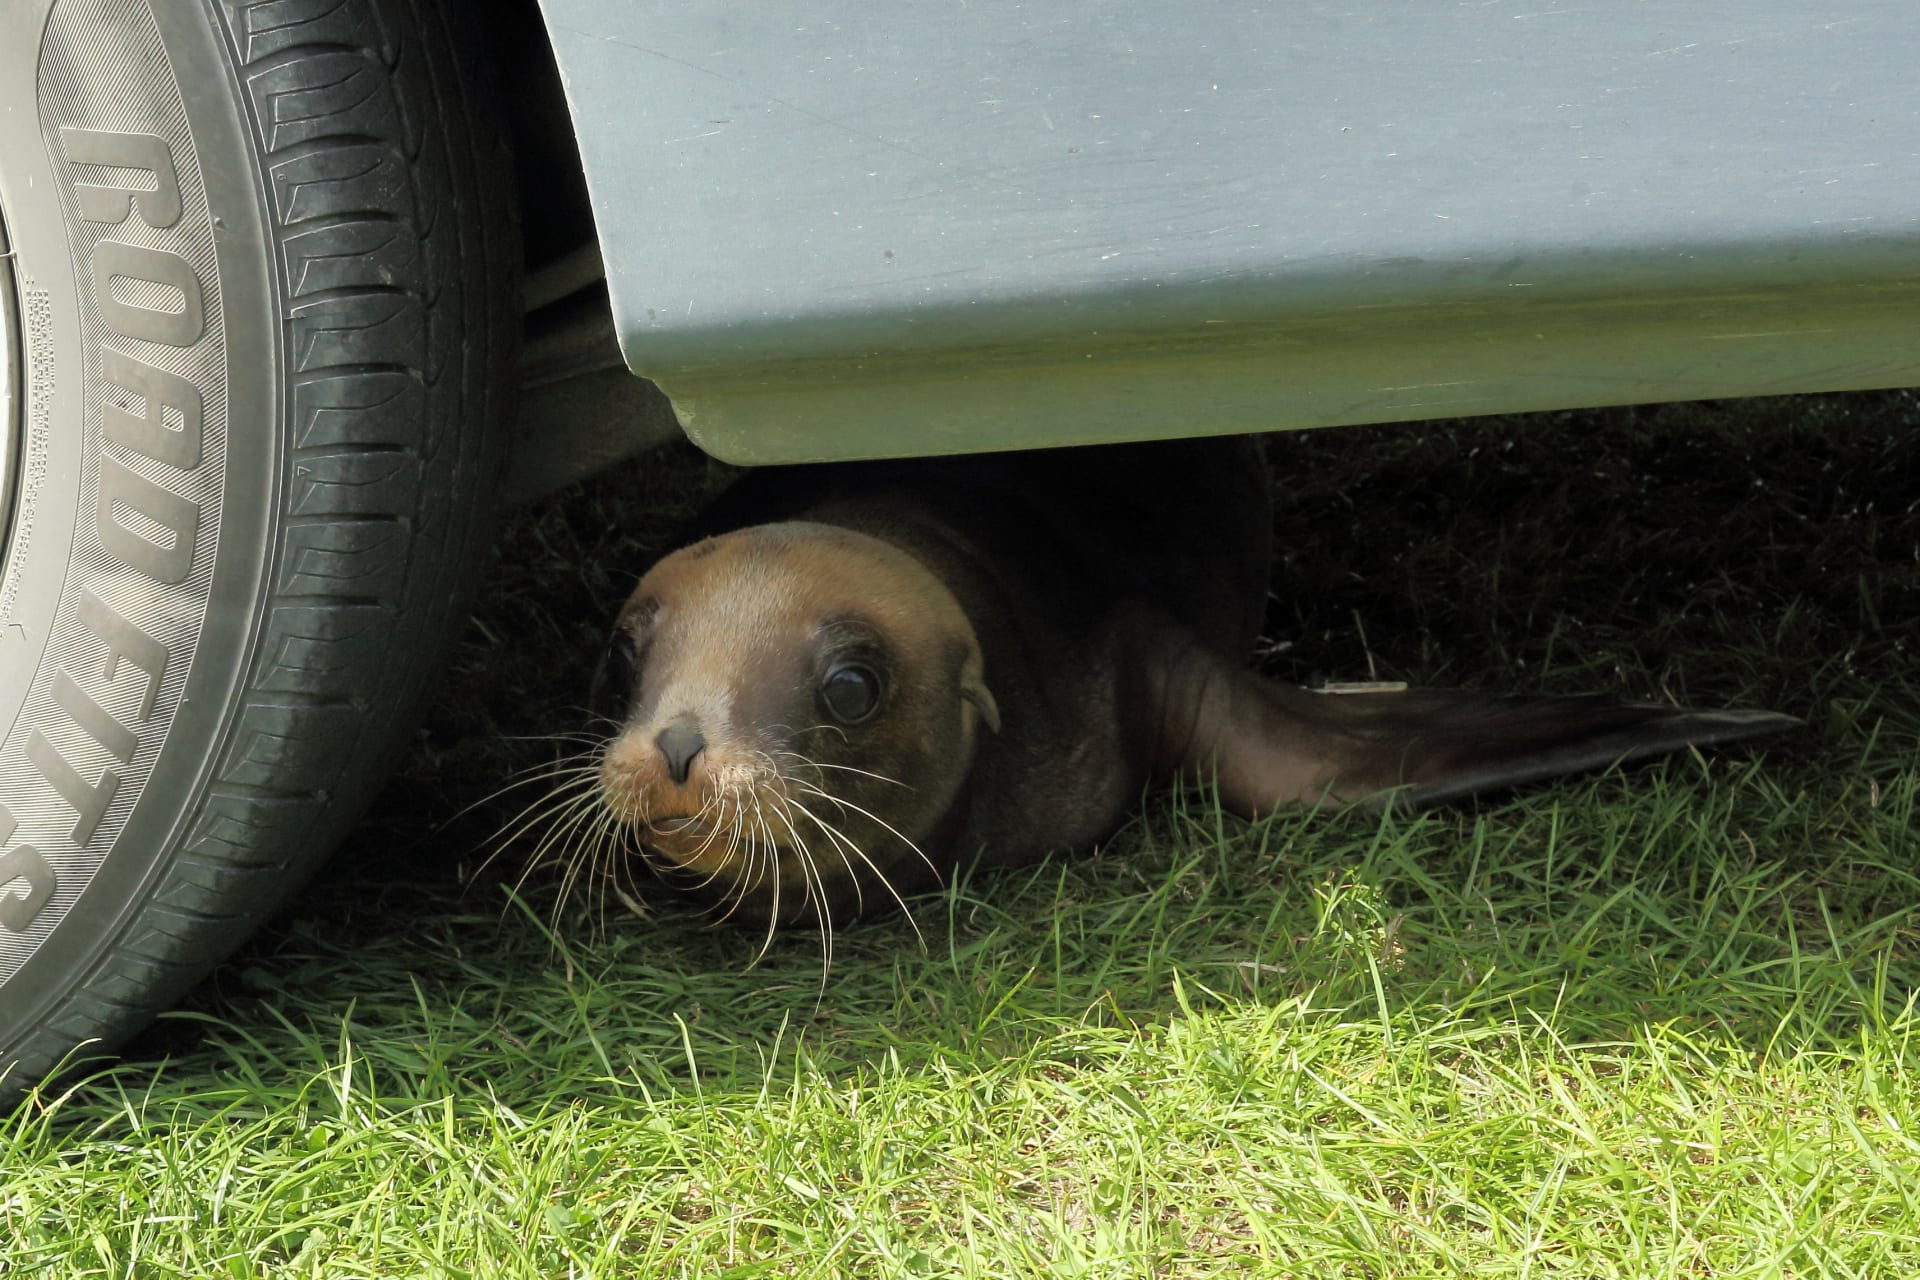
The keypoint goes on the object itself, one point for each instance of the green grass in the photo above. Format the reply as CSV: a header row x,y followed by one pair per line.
x,y
1651,1024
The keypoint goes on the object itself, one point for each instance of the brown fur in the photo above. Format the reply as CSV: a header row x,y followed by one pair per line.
x,y
1056,631
733,630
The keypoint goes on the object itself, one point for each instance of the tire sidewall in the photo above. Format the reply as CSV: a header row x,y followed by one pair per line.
x,y
91,65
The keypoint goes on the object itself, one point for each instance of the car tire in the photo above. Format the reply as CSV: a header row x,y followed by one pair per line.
x,y
258,292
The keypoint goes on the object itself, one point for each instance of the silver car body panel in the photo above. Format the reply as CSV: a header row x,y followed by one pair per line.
x,y
851,229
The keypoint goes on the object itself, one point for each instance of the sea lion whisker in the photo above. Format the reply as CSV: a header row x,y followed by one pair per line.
x,y
837,840
590,718
560,820
542,808
823,727
657,862
588,754
732,899
714,806
899,835
582,787
631,903
603,842
549,813
844,843
840,844
865,773
519,884
788,731
797,781
719,825
585,738
578,773
589,750
811,763
593,876
569,876
593,818
576,856
590,903
716,871
555,826
823,927
708,805
742,853
575,776
738,833
622,876
736,859
772,855
816,885
615,867
768,763
556,813
745,856
713,874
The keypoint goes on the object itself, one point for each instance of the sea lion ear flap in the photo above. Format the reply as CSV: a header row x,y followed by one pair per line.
x,y
973,685
974,689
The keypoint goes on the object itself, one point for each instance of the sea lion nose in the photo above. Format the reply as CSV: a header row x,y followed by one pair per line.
x,y
680,743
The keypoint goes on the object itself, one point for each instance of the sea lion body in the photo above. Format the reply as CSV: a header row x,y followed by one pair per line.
x,y
1048,633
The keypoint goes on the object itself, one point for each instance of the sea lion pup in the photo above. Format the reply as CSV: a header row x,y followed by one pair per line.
x,y
864,675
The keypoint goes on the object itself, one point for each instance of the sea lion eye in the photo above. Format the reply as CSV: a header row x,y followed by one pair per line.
x,y
850,693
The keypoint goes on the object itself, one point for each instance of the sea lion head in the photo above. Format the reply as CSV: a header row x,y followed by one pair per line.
x,y
797,708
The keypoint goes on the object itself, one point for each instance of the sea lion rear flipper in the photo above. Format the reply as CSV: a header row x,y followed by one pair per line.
x,y
1418,748
1267,743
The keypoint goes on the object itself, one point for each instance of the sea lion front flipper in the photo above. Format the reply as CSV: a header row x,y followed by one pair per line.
x,y
1268,744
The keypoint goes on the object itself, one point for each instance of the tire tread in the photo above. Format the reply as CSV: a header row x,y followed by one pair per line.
x,y
386,482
